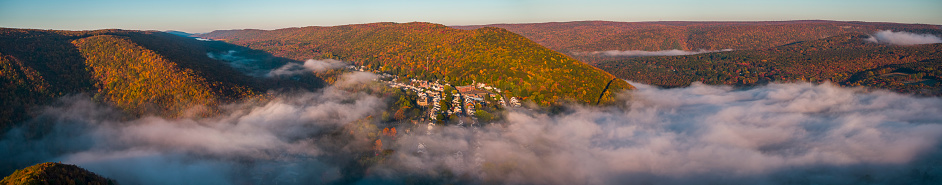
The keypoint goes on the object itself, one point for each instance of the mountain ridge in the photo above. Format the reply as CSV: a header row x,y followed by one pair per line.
x,y
590,36
843,59
717,52
141,72
437,52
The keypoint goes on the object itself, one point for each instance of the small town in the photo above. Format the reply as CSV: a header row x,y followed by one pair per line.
x,y
464,99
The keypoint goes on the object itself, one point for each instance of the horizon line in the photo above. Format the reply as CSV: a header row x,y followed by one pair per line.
x,y
504,23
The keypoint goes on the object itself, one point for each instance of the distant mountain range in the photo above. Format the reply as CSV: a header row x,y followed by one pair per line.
x,y
588,36
747,53
844,59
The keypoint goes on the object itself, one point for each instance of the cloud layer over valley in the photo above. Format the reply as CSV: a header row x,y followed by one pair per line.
x,y
258,142
903,38
308,66
775,134
256,68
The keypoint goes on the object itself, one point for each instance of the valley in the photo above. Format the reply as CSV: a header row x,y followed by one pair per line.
x,y
586,102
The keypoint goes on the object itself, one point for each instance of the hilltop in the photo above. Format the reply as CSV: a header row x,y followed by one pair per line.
x,y
55,173
493,56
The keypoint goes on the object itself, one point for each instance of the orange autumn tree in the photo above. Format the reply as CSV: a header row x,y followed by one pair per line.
x,y
391,132
378,146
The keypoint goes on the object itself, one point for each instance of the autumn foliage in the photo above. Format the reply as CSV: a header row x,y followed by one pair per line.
x,y
435,52
55,173
135,78
138,71
844,59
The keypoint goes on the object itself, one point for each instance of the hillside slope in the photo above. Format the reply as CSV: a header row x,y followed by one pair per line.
x,y
844,59
435,52
55,173
139,71
133,77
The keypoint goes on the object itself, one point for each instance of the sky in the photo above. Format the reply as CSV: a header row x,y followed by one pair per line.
x,y
206,15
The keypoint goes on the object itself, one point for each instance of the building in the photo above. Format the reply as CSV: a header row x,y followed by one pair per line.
x,y
472,91
514,102
465,88
469,106
422,100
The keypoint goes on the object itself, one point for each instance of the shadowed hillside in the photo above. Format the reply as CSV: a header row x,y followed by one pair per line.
x,y
430,51
141,72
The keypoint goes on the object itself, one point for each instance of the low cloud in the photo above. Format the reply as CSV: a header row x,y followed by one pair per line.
x,y
256,68
903,38
776,134
639,53
269,142
355,78
310,65
248,66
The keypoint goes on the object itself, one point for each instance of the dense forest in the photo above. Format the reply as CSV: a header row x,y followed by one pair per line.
x,y
55,173
844,59
142,72
428,51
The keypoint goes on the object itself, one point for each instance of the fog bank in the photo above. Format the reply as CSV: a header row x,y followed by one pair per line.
x,y
775,134
903,38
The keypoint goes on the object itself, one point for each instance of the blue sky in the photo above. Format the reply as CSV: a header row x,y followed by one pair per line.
x,y
208,15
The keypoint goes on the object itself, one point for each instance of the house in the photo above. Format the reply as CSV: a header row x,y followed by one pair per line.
x,y
514,102
469,107
456,106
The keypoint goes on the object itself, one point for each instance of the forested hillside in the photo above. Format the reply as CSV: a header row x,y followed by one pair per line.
x,y
133,77
141,72
844,59
435,52
55,173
